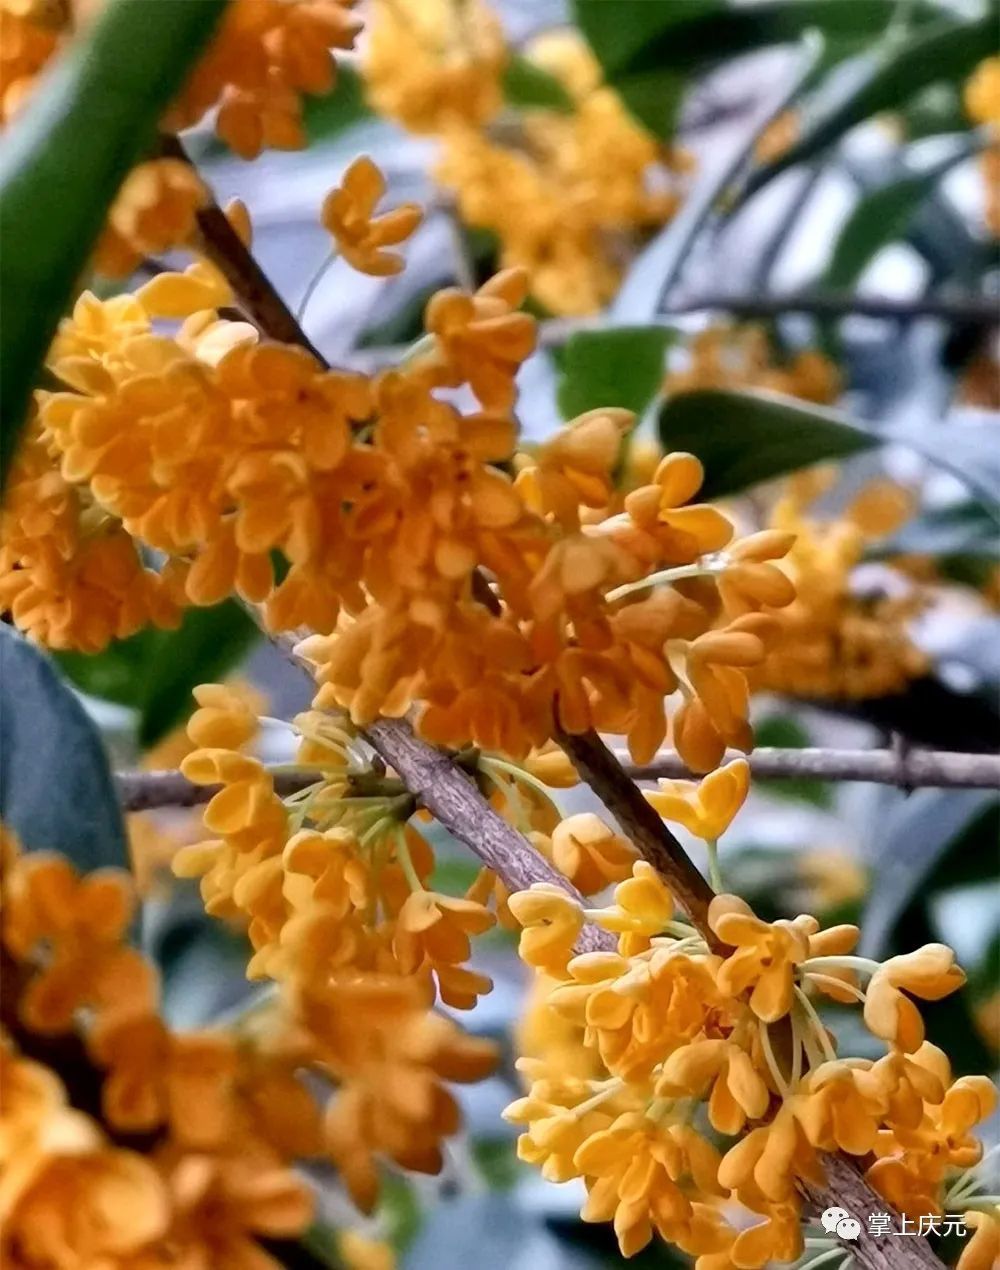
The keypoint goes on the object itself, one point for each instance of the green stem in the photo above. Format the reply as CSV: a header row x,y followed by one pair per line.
x,y
314,282
714,872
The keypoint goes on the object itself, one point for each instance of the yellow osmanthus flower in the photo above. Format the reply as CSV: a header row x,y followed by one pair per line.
x,y
153,212
677,1039
833,642
982,1252
358,1251
360,236
705,808
741,357
428,64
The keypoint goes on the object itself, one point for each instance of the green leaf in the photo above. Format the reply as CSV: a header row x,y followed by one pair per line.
x,y
92,118
154,671
654,98
206,645
945,51
330,114
528,87
965,530
55,786
786,733
745,438
619,366
634,35
880,218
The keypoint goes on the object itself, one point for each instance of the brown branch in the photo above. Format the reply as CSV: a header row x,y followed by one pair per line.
x,y
650,836
449,793
909,769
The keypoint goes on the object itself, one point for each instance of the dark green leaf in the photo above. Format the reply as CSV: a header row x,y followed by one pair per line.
x,y
880,218
619,366
745,438
207,644
635,35
92,118
786,733
945,51
913,841
326,116
528,87
654,98
154,671
55,787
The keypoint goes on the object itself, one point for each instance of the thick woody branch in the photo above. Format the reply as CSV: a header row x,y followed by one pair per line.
x,y
446,791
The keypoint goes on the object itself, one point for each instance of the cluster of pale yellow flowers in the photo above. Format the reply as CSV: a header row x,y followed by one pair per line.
x,y
742,357
264,56
570,193
707,1087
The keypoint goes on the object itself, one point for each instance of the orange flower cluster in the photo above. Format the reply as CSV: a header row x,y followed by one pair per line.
x,y
570,193
220,1119
836,642
741,357
265,55
385,502
687,1046
223,1115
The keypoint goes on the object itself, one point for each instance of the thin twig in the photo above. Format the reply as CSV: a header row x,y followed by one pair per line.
x,y
909,769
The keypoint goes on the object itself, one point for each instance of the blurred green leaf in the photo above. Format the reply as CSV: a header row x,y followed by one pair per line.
x,y
618,366
528,87
654,98
745,438
965,529
783,731
945,51
55,786
330,114
880,218
637,35
496,1159
93,117
154,671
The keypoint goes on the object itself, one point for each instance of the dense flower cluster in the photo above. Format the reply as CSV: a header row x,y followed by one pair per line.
x,y
837,641
708,1083
219,1116
570,192
265,55
591,620
741,357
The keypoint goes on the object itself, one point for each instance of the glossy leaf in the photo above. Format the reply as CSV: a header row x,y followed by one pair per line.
x,y
93,116
55,786
529,87
941,52
620,366
745,438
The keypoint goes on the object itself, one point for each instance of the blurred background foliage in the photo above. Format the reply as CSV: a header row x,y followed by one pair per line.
x,y
827,231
